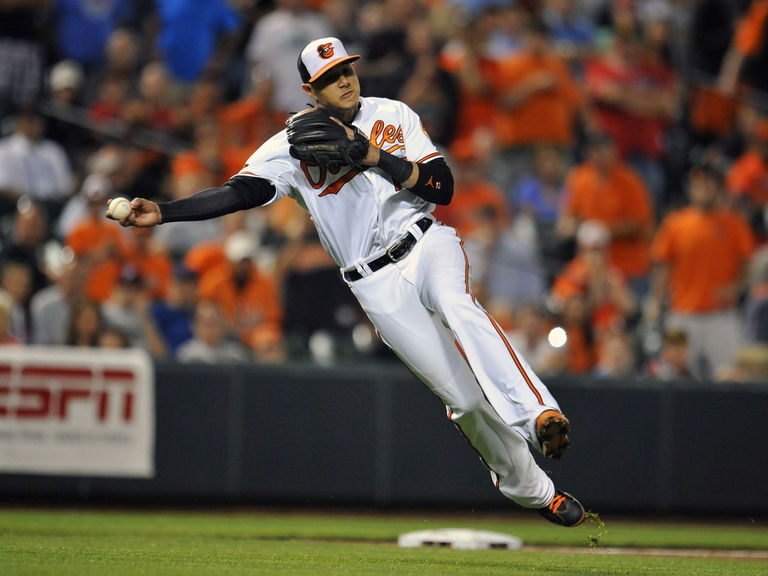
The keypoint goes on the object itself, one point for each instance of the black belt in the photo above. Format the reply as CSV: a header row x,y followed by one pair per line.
x,y
396,251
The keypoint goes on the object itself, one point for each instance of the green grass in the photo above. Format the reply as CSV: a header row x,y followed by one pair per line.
x,y
105,543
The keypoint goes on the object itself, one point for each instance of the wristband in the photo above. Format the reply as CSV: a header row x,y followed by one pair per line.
x,y
399,169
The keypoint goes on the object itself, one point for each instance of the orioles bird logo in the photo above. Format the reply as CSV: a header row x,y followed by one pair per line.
x,y
325,51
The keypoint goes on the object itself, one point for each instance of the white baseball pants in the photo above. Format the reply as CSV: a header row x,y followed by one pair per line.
x,y
424,311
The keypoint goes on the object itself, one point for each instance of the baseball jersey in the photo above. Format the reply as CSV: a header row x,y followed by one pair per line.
x,y
357,213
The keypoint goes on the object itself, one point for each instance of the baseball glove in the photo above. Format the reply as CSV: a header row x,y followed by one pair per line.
x,y
315,136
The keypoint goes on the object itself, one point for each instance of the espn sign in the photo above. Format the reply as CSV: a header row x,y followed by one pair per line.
x,y
84,412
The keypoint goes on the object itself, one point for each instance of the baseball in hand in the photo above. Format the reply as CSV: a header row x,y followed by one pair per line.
x,y
119,209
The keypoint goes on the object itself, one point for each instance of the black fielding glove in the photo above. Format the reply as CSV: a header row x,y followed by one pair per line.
x,y
316,137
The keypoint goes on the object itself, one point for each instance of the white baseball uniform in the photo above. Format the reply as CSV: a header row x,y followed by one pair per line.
x,y
422,305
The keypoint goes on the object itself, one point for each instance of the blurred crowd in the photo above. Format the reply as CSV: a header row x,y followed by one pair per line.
x,y
610,160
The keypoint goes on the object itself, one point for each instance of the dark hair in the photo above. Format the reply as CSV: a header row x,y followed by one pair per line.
x,y
303,72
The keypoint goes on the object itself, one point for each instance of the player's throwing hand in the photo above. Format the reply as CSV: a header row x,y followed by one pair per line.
x,y
144,213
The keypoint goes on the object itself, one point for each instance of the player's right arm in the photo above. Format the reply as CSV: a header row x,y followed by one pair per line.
x,y
239,193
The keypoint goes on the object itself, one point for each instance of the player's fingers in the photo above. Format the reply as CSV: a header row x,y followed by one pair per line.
x,y
347,129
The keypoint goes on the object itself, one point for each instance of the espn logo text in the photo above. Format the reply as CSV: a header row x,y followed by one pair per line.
x,y
56,393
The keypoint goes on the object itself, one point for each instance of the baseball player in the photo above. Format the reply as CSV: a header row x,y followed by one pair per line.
x,y
369,176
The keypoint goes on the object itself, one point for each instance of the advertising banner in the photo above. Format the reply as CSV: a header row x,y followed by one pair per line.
x,y
76,411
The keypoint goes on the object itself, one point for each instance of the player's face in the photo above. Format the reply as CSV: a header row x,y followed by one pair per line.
x,y
339,88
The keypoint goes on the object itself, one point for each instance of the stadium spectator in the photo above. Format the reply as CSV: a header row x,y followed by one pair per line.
x,y
213,26
179,239
425,86
211,343
16,281
605,189
535,200
749,365
671,362
127,309
506,270
111,337
466,55
701,254
106,163
82,30
571,31
97,242
755,306
31,165
537,103
634,99
174,314
29,237
245,293
580,349
271,53
712,111
85,324
152,262
385,46
66,87
51,307
7,338
473,190
108,105
609,301
745,61
152,107
615,357
530,335
747,179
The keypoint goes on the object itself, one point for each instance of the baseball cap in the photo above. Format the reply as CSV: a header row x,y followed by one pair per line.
x,y
240,245
97,188
592,233
65,74
321,55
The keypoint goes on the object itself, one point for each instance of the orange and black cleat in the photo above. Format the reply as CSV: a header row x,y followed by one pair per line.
x,y
564,510
552,433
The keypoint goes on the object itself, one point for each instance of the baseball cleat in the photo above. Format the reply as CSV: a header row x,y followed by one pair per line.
x,y
564,510
552,432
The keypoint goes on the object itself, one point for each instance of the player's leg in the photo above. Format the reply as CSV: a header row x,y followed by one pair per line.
x,y
509,383
422,342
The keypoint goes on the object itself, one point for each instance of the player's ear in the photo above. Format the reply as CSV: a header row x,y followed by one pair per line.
x,y
307,87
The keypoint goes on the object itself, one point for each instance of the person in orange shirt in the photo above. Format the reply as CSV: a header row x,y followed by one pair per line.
x,y
468,57
473,191
97,242
152,262
746,57
701,254
607,190
608,298
248,296
536,103
580,349
747,179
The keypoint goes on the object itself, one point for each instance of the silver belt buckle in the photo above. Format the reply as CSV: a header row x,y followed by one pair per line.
x,y
397,251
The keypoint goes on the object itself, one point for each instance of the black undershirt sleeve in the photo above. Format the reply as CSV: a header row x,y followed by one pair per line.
x,y
238,193
435,181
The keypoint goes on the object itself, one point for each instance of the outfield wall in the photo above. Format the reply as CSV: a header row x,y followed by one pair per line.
x,y
373,435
